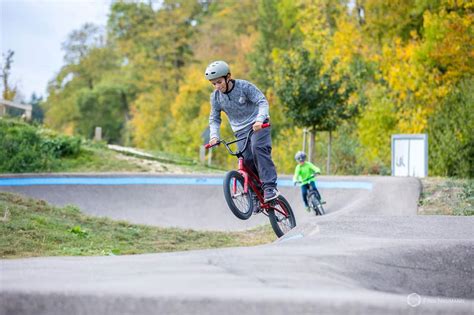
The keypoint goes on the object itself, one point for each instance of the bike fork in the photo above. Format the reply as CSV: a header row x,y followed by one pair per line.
x,y
244,174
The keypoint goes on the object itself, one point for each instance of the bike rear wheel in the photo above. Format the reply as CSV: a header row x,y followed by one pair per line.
x,y
281,216
239,202
315,204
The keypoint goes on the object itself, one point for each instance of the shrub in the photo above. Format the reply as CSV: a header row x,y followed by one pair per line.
x,y
451,134
27,149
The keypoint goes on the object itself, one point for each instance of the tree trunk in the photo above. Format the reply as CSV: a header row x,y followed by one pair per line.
x,y
304,139
329,153
312,148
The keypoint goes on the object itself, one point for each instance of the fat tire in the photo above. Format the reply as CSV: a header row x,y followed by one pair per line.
x,y
274,219
246,213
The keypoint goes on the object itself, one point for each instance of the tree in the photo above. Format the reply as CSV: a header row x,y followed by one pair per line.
x,y
80,94
9,91
37,114
81,41
105,106
190,113
450,134
375,127
384,21
277,26
156,44
312,98
151,121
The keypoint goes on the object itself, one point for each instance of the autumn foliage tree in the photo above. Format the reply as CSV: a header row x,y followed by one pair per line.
x,y
403,66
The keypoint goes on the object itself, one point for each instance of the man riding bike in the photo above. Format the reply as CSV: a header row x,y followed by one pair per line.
x,y
247,108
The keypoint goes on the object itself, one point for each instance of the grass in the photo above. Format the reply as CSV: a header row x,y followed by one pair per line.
x,y
447,196
96,159
32,228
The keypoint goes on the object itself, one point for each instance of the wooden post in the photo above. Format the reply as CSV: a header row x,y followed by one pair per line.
x,y
312,149
305,131
98,134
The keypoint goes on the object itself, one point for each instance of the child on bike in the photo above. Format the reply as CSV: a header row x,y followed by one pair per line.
x,y
305,174
246,108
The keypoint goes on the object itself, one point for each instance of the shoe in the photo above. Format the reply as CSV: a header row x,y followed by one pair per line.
x,y
308,209
270,194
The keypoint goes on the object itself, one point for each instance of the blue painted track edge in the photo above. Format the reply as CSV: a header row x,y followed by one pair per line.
x,y
209,181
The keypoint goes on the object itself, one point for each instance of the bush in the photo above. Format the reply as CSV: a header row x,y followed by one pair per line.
x,y
27,149
62,146
451,136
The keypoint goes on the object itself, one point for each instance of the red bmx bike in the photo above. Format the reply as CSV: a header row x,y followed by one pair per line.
x,y
244,194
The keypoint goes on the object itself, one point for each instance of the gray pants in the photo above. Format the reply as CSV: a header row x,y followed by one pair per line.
x,y
258,156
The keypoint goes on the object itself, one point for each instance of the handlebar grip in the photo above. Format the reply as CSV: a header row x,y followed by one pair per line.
x,y
266,125
208,146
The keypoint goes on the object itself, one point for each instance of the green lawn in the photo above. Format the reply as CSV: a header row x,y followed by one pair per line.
x,y
31,228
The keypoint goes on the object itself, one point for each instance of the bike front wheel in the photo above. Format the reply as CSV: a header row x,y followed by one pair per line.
x,y
281,216
239,201
316,204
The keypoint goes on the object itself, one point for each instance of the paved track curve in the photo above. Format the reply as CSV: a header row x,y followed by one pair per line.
x,y
370,255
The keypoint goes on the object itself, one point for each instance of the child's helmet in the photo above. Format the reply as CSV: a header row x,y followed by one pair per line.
x,y
300,156
216,70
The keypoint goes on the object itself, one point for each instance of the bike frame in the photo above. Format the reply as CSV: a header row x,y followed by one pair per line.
x,y
249,179
249,176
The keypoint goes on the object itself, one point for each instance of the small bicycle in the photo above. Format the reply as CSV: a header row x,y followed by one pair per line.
x,y
313,198
244,194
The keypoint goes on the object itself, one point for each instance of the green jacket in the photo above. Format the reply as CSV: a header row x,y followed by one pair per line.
x,y
304,171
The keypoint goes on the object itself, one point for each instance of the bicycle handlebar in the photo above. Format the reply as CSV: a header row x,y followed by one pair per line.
x,y
246,138
312,176
208,146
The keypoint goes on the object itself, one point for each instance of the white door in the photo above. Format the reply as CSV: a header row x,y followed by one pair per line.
x,y
417,158
401,147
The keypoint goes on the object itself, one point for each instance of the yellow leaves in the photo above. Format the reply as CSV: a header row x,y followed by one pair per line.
x,y
284,148
345,44
190,112
449,43
313,24
467,4
376,126
150,114
413,120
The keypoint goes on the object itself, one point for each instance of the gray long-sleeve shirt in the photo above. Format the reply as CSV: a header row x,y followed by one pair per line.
x,y
244,105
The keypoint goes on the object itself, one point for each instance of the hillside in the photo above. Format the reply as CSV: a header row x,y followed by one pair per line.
x,y
33,149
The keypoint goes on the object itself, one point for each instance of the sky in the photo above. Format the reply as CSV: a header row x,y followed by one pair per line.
x,y
35,29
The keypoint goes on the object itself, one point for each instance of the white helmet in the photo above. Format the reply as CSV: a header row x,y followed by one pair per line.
x,y
217,69
300,156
